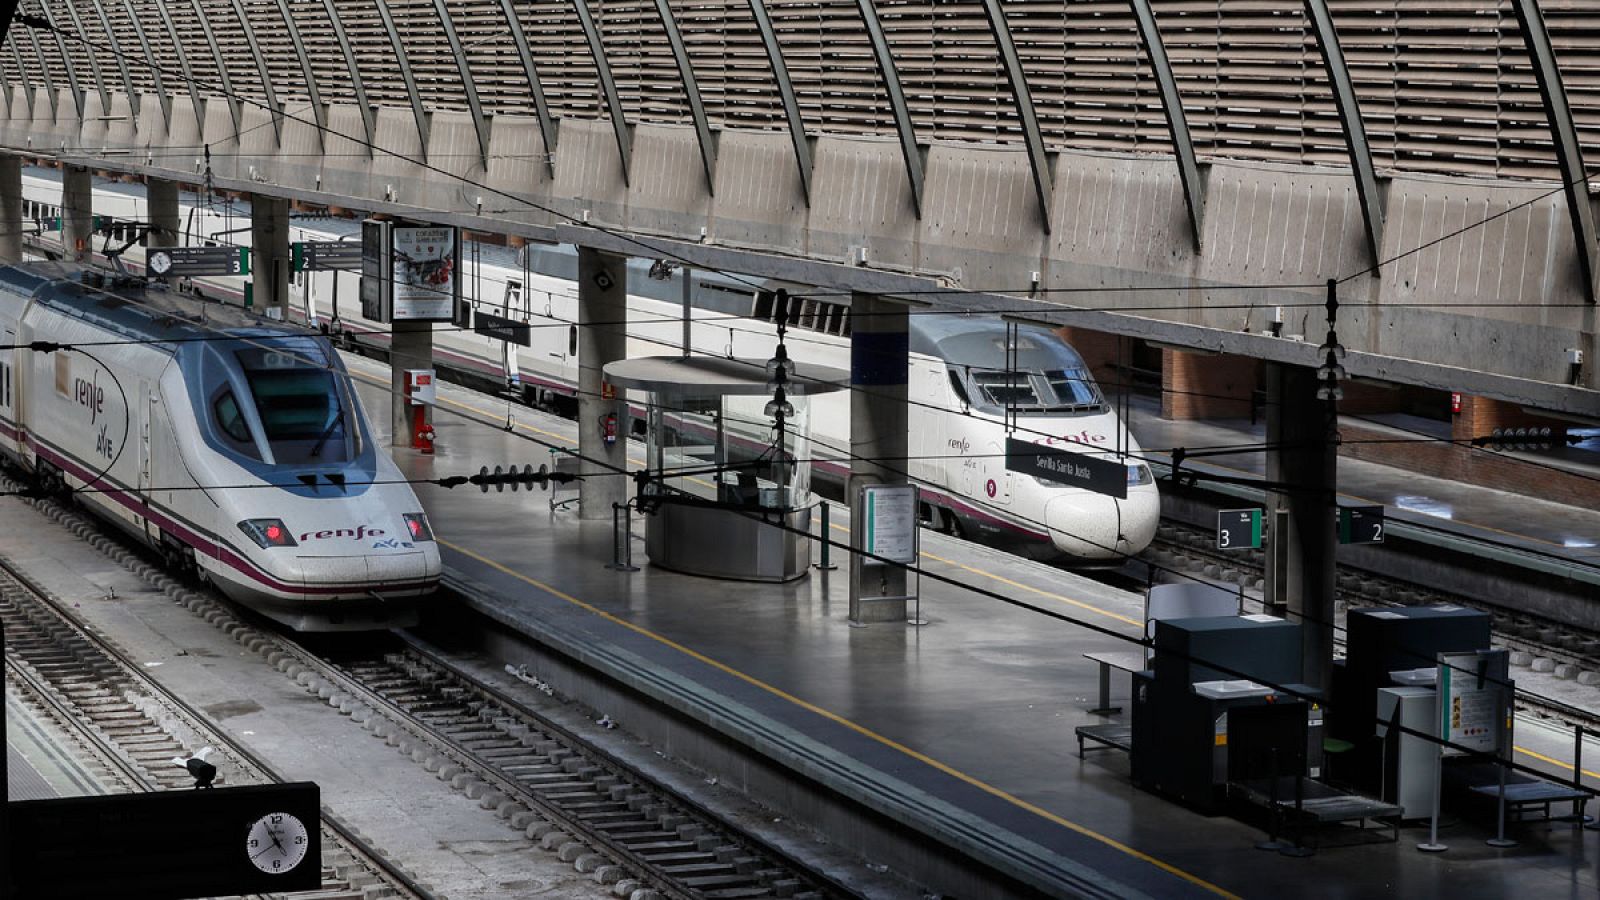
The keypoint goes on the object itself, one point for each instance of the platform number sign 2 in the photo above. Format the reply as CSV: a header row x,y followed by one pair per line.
x,y
1360,524
1238,529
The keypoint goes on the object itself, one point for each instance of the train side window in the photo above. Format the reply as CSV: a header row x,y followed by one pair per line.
x,y
230,419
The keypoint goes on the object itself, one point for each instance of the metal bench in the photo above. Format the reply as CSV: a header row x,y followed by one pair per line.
x,y
1114,736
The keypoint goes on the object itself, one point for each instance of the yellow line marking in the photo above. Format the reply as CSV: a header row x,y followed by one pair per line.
x,y
840,720
1554,762
1040,591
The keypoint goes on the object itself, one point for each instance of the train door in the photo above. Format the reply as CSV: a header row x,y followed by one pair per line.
x,y
146,413
8,390
515,309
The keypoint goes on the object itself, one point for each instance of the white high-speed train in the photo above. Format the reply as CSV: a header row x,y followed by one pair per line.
x,y
229,444
969,376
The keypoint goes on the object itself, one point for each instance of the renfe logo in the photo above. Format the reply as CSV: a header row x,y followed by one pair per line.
x,y
360,532
91,395
1082,437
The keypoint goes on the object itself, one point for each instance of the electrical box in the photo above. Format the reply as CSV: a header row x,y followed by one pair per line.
x,y
420,387
1408,760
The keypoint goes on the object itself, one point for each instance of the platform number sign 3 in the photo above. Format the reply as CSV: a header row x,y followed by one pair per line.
x,y
1361,525
1238,529
277,843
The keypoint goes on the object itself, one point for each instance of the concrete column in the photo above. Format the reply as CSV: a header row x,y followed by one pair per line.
x,y
879,369
269,253
602,338
10,209
77,213
161,196
412,348
1302,538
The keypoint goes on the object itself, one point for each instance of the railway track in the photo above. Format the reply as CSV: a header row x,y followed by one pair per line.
x,y
607,819
501,751
128,728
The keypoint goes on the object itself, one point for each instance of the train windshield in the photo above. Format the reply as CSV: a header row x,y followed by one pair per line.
x,y
1062,391
301,406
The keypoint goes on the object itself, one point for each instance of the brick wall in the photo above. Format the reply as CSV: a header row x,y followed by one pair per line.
x,y
1480,416
1206,386
1102,352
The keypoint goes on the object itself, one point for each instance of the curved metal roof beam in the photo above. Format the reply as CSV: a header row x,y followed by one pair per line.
x,y
547,126
417,112
1029,119
183,64
22,73
261,67
235,107
791,107
94,60
318,111
1355,131
691,90
44,69
1194,189
468,85
897,101
369,119
155,70
608,85
1569,154
66,60
119,55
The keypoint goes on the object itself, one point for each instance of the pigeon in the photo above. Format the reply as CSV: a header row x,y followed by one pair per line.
x,y
204,773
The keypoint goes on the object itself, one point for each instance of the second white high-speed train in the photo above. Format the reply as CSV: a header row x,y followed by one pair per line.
x,y
972,381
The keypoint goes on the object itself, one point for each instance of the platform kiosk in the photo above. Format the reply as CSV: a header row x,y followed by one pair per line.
x,y
726,495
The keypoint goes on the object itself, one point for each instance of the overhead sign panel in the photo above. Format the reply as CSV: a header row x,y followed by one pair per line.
x,y
314,256
1360,524
1238,529
509,330
198,261
1092,473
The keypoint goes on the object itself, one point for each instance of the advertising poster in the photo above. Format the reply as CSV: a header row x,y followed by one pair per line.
x,y
426,271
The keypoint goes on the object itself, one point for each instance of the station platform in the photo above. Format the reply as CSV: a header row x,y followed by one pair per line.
x,y
1569,532
962,728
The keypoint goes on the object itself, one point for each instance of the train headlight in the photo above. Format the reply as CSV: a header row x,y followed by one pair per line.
x,y
267,533
417,524
1140,474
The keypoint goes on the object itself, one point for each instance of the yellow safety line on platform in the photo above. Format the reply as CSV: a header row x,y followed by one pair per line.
x,y
859,729
1554,762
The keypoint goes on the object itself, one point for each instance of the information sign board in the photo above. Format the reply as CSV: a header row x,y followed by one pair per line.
x,y
314,256
1238,529
1093,473
891,523
1474,700
198,261
1360,524
509,330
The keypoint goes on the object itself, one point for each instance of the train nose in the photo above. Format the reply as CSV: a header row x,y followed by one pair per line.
x,y
1098,526
368,573
1085,525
